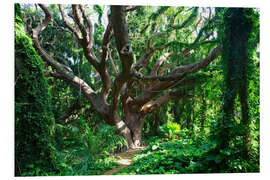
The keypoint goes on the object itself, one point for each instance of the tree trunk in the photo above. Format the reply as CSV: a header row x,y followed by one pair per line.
x,y
131,128
134,122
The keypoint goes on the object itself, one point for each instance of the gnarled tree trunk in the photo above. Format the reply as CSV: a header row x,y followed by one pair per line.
x,y
134,122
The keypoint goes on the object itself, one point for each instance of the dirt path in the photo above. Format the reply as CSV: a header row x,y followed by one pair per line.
x,y
124,159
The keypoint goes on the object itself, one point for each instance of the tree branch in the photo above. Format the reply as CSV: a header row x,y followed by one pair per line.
x,y
90,26
144,60
87,42
79,22
159,62
61,70
173,79
105,52
45,22
84,41
105,42
191,68
150,107
53,74
124,50
180,71
149,94
165,68
73,30
97,100
112,62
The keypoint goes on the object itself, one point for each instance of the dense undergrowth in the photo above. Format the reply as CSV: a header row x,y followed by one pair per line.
x,y
83,151
181,152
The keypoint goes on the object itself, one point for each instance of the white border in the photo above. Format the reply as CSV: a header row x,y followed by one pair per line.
x,y
213,3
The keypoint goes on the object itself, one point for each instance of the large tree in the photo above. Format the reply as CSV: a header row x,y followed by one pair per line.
x,y
158,50
240,39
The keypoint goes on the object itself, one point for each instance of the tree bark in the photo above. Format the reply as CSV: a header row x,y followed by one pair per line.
x,y
135,123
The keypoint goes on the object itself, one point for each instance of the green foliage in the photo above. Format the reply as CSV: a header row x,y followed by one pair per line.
x,y
34,121
232,133
169,130
158,12
99,29
84,151
99,10
172,157
191,153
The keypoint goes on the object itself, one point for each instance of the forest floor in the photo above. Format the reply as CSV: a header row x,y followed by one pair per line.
x,y
124,159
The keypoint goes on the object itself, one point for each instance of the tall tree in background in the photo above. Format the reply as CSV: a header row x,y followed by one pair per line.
x,y
240,38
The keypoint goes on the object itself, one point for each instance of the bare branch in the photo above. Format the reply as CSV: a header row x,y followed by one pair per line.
x,y
191,68
87,45
180,71
53,74
73,30
173,79
62,71
112,62
159,62
146,96
41,26
165,68
86,42
124,50
79,22
90,26
105,42
97,100
106,81
144,60
105,51
150,107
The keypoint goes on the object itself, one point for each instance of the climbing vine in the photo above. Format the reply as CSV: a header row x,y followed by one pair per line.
x,y
233,132
34,122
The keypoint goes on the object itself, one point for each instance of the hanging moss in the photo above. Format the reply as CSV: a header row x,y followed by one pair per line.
x,y
34,121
